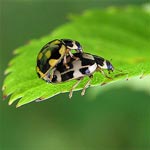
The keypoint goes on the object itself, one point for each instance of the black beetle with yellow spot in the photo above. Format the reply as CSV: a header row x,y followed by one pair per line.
x,y
52,53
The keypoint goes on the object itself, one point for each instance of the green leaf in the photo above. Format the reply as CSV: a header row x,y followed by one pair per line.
x,y
120,34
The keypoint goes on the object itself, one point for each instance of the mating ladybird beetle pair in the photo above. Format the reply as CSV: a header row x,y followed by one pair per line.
x,y
56,64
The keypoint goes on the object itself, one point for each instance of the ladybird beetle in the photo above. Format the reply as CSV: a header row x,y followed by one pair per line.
x,y
52,53
86,65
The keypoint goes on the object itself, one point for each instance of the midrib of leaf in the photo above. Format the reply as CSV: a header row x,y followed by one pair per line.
x,y
105,33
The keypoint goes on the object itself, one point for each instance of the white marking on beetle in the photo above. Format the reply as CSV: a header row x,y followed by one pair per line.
x,y
57,73
74,45
87,56
104,65
92,68
76,66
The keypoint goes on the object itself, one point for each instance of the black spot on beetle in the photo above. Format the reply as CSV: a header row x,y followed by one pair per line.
x,y
85,71
55,52
79,47
67,76
99,60
54,79
43,65
86,62
67,42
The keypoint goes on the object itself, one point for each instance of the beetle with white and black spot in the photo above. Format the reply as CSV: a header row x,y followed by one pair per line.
x,y
85,65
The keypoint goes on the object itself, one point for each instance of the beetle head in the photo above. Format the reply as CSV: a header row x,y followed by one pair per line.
x,y
71,44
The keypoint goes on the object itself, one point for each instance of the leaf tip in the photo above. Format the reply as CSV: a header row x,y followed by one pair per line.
x,y
10,102
15,52
3,88
18,105
6,72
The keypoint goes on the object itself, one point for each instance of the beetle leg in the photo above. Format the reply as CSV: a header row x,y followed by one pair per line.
x,y
49,75
52,74
74,86
86,85
65,62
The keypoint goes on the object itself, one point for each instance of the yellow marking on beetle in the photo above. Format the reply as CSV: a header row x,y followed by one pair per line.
x,y
56,42
62,50
41,74
40,56
48,54
53,62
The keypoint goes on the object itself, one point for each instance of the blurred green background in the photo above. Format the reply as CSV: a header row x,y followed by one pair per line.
x,y
115,119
